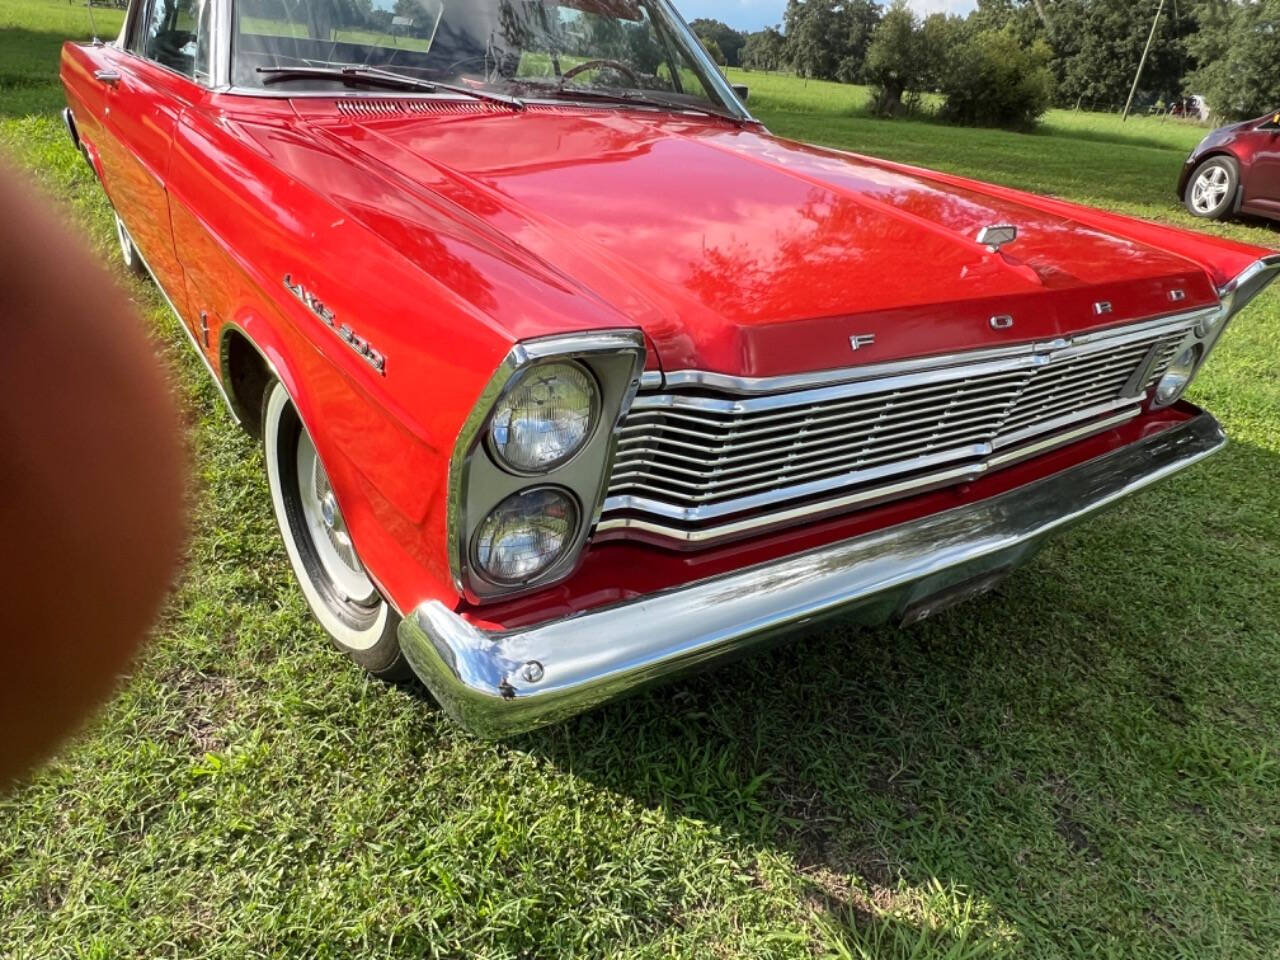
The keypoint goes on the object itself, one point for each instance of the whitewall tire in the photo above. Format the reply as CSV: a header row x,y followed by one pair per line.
x,y
340,593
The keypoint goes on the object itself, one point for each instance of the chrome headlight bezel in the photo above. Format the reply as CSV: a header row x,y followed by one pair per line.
x,y
1234,296
479,479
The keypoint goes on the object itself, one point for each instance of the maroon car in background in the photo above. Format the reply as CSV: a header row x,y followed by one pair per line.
x,y
1235,169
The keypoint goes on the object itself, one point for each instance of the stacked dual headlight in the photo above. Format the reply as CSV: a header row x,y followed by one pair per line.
x,y
545,416
1177,376
1191,354
1235,296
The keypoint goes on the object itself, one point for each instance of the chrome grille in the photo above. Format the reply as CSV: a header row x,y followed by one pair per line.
x,y
696,464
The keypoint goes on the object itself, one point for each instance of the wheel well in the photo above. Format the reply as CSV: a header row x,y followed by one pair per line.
x,y
1214,155
69,119
245,375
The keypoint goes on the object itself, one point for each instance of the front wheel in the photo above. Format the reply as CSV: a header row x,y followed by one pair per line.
x,y
1211,191
343,598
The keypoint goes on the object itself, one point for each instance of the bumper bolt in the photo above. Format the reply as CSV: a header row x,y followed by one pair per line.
x,y
531,672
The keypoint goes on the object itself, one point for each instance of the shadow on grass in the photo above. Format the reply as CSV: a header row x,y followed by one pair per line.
x,y
1053,126
31,56
1077,759
28,71
1057,131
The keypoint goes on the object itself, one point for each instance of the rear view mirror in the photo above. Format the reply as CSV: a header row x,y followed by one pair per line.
x,y
741,90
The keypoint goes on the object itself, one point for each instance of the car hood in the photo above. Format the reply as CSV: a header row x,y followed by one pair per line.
x,y
741,252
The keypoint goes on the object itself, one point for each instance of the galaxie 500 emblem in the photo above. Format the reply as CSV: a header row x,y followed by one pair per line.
x,y
352,339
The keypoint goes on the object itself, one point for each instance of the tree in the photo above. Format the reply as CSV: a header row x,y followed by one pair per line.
x,y
940,36
1020,15
856,24
811,31
993,80
1239,49
713,49
765,50
895,64
828,39
1098,45
729,40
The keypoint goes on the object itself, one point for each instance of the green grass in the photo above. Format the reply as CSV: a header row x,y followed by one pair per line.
x,y
1081,765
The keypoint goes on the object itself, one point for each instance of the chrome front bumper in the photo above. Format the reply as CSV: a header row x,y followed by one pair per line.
x,y
500,683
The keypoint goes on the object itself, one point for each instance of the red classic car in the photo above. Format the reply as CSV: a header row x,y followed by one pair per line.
x,y
571,376
1235,169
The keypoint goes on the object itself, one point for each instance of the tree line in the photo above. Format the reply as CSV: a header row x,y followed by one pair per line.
x,y
1009,60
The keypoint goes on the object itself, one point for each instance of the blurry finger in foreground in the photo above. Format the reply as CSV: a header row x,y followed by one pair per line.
x,y
91,481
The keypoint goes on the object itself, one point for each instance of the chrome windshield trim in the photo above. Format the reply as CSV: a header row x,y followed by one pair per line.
x,y
710,72
925,366
501,682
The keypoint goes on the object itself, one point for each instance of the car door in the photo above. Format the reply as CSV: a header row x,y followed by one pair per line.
x,y
150,79
1262,155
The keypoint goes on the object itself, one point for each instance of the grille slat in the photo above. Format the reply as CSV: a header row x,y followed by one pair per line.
x,y
795,470
691,455
817,435
637,420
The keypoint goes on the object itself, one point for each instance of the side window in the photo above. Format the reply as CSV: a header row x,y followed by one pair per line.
x,y
175,34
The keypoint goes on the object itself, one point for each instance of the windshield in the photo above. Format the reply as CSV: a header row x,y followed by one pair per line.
x,y
526,48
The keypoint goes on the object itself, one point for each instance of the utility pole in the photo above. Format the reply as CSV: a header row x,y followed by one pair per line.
x,y
1143,62
1043,16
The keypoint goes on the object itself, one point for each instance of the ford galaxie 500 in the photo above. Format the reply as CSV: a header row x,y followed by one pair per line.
x,y
572,376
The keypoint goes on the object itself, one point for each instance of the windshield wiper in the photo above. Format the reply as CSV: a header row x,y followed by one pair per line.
x,y
372,76
635,99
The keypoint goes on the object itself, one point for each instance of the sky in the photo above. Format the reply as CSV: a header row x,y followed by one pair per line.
x,y
754,14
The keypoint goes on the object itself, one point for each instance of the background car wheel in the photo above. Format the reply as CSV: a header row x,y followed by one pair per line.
x,y
1211,192
128,252
341,595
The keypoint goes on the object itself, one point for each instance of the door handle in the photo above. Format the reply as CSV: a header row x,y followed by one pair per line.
x,y
109,77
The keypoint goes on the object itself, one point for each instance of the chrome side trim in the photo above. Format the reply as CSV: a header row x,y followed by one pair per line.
x,y
923,366
498,683
586,476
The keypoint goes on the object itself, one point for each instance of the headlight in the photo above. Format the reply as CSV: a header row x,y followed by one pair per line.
x,y
1178,375
544,417
525,534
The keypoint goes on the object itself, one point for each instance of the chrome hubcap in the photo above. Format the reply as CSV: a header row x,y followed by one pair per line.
x,y
1209,190
327,529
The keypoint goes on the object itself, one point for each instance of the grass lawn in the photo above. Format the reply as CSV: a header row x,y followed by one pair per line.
x,y
1083,764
